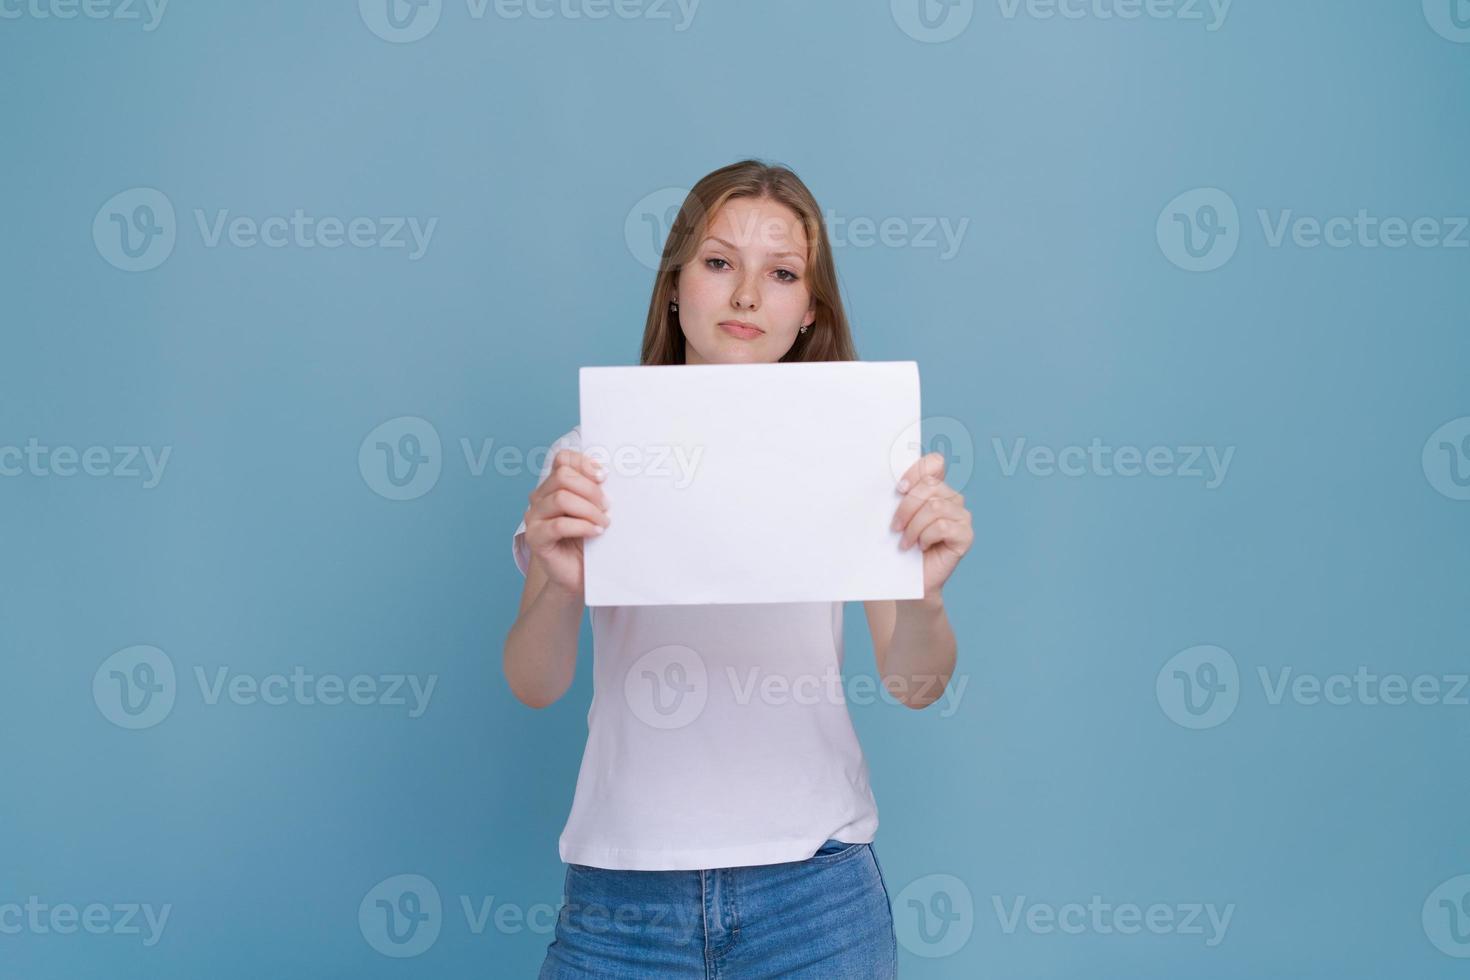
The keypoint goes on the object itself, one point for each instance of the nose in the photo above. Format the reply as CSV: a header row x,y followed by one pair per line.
x,y
747,292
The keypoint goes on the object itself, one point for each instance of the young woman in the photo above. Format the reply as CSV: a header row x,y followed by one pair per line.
x,y
737,843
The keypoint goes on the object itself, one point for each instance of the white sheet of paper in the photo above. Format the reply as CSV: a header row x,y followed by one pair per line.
x,y
734,483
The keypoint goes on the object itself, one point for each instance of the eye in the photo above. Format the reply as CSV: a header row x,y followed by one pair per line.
x,y
787,272
709,262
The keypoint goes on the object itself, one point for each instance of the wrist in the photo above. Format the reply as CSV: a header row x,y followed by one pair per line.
x,y
930,604
560,595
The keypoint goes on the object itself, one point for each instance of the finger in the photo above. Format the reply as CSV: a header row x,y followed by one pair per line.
x,y
956,533
582,463
568,477
925,467
935,509
918,498
549,532
565,503
926,515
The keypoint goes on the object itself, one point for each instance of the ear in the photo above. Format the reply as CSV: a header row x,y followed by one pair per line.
x,y
811,315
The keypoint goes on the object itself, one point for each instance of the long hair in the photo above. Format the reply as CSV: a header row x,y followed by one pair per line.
x,y
828,338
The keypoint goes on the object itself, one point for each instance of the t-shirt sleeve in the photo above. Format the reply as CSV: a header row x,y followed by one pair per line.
x,y
519,550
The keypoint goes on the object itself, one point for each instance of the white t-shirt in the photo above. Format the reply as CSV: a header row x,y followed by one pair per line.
x,y
718,735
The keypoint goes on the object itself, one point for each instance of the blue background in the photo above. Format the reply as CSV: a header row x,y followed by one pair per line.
x,y
1062,318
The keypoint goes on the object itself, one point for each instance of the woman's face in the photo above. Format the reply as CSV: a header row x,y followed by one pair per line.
x,y
743,296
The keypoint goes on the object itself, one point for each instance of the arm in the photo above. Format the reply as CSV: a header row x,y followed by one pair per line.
x,y
913,643
540,654
914,646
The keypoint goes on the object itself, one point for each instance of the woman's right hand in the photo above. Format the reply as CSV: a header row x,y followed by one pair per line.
x,y
566,507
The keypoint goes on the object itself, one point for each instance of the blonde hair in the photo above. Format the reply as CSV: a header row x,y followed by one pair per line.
x,y
828,338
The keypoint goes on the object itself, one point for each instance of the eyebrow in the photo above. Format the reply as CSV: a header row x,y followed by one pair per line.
x,y
774,255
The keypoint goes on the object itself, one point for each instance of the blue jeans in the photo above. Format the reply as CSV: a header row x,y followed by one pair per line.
x,y
826,917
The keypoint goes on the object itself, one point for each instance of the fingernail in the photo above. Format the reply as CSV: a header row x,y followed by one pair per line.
x,y
598,529
599,472
903,486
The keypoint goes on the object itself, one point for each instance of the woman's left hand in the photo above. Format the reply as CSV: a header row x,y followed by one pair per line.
x,y
933,514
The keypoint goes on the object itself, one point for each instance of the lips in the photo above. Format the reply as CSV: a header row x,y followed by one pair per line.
x,y
741,329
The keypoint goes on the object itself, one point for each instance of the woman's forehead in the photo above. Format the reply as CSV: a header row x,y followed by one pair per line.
x,y
759,223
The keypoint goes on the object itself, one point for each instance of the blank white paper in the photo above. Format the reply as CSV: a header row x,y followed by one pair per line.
x,y
734,483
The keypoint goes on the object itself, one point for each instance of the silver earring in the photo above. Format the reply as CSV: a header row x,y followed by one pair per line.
x,y
803,329
674,305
